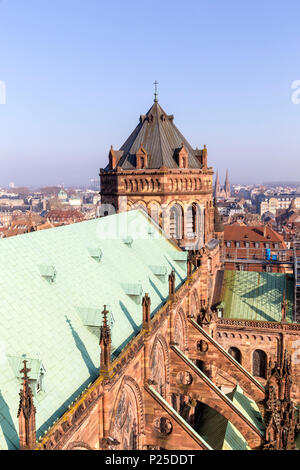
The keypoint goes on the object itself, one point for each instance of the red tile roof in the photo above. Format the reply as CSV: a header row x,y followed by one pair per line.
x,y
258,233
63,215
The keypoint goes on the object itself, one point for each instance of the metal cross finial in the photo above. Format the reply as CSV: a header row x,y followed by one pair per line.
x,y
155,91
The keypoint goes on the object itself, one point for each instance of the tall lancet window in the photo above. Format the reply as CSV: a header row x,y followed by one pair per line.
x,y
192,221
176,222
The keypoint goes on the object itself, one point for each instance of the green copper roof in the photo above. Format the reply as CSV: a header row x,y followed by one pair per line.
x,y
56,323
256,296
220,433
248,407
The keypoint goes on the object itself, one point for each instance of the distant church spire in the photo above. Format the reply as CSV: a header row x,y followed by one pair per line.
x,y
222,191
227,185
227,177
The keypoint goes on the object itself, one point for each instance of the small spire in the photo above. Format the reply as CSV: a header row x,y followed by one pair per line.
x,y
25,371
172,285
105,329
26,413
146,304
189,268
105,345
155,91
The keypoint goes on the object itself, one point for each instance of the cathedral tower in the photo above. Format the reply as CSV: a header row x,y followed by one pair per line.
x,y
158,170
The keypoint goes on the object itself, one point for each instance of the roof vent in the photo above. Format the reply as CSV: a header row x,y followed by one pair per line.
x,y
159,270
128,241
95,253
180,256
92,317
48,272
134,291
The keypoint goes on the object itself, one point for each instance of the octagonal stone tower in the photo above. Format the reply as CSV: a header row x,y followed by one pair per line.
x,y
158,170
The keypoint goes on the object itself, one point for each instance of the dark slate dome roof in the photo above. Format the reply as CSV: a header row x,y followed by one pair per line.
x,y
161,139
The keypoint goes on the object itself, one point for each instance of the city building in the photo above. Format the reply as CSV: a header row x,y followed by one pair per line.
x,y
64,216
256,248
274,203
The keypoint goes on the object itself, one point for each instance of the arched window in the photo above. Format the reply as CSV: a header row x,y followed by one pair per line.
x,y
236,354
191,221
259,363
176,220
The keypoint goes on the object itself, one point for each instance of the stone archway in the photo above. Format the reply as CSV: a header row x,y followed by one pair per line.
x,y
128,417
236,354
159,365
176,221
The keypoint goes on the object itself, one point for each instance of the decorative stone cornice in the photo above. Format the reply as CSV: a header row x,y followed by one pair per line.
x,y
239,323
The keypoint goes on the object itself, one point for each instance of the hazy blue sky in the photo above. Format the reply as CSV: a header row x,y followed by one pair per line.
x,y
79,73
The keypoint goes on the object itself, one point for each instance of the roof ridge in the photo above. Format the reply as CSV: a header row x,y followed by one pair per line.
x,y
159,132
